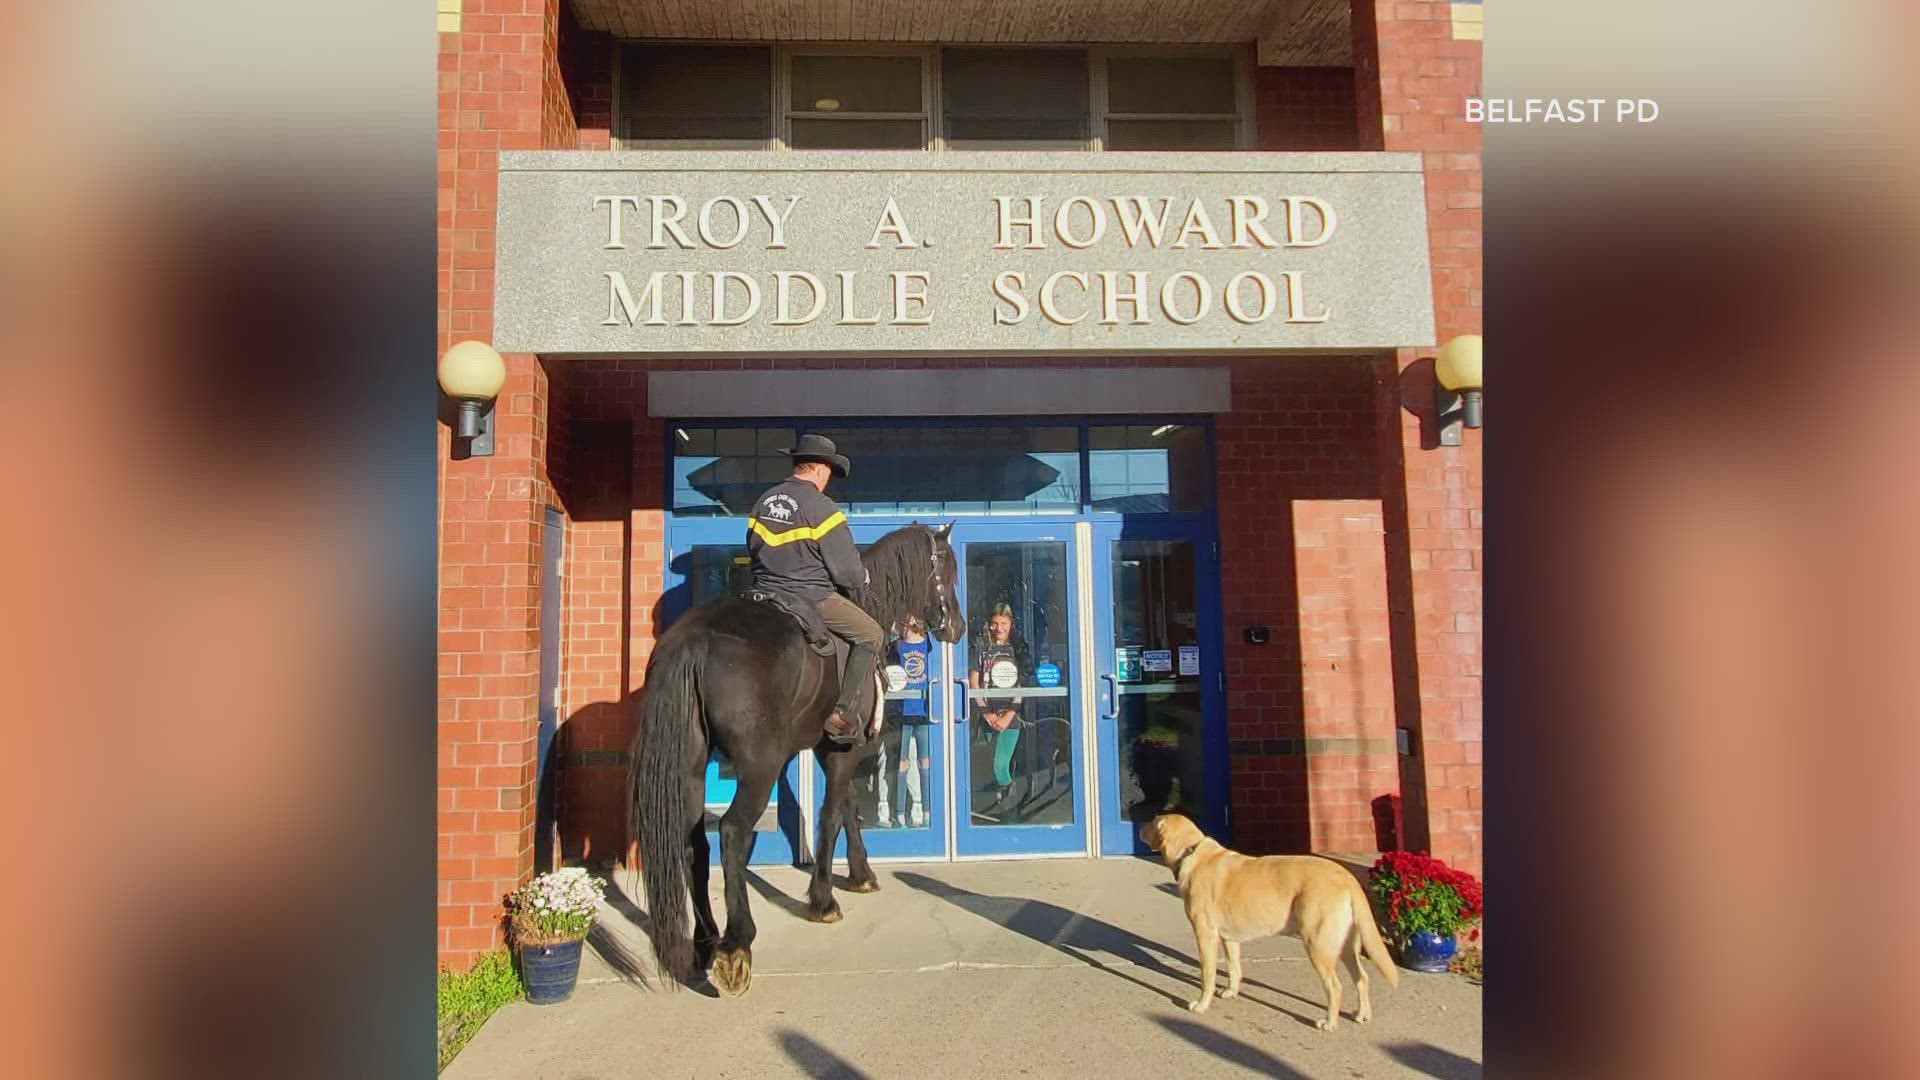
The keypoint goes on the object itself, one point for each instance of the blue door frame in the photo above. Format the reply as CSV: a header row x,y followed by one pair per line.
x,y
1118,835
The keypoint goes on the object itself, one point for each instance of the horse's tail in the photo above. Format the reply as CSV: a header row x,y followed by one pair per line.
x,y
657,801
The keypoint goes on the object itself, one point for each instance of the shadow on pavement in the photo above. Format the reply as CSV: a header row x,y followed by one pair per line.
x,y
793,907
1081,937
817,1060
1228,1048
1430,1059
620,953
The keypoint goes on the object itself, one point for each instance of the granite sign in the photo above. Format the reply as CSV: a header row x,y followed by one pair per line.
x,y
979,253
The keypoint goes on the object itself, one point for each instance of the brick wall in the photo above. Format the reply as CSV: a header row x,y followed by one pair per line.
x,y
494,94
1413,76
588,74
558,128
1305,108
1299,445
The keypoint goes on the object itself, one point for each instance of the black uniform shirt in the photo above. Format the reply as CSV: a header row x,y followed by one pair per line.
x,y
800,545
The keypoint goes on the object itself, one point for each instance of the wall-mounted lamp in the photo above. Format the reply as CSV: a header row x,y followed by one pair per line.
x,y
1457,387
472,373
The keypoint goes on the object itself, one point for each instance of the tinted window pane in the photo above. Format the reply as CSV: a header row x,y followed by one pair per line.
x,y
1015,94
857,135
1144,469
1170,135
856,83
695,128
1162,759
1016,129
696,92
1170,84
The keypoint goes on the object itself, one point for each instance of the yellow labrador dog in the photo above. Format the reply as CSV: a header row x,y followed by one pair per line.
x,y
1235,898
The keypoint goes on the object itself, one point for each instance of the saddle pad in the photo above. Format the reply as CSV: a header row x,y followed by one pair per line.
x,y
812,627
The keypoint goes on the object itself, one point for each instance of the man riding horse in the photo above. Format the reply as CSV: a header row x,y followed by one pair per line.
x,y
801,547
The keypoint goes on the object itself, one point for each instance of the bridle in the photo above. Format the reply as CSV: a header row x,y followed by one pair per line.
x,y
939,582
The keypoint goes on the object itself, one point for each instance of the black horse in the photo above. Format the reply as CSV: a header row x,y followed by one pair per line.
x,y
739,677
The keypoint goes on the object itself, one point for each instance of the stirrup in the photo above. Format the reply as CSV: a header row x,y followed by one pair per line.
x,y
843,736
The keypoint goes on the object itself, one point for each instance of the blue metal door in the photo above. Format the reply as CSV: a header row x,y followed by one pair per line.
x,y
1158,643
1019,763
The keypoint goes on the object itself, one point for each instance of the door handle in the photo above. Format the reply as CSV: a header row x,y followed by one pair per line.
x,y
966,706
1113,697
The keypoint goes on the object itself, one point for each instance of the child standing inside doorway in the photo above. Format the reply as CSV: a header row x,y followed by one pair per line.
x,y
911,651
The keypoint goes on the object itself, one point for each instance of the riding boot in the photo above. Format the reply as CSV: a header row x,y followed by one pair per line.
x,y
842,731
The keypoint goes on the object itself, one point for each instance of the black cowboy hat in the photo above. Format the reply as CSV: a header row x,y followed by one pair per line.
x,y
820,448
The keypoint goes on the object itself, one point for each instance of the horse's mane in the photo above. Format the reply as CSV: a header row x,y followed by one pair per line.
x,y
898,565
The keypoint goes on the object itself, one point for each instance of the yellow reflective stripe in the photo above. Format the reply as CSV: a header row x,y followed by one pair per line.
x,y
804,532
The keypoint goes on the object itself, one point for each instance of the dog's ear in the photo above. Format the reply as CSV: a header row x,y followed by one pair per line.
x,y
1150,834
1180,831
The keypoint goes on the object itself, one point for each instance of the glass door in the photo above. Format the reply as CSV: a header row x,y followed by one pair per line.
x,y
1161,723
1016,736
901,790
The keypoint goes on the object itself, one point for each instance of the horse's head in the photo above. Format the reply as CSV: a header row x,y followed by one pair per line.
x,y
940,609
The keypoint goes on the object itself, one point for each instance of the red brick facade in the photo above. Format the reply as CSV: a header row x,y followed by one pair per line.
x,y
1414,79
1370,583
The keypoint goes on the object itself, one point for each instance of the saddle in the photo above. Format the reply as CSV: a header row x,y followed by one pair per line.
x,y
812,627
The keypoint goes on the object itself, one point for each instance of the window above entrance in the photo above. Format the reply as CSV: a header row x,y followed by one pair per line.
x,y
929,97
955,470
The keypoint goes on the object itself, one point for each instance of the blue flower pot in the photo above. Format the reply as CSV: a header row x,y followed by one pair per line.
x,y
1428,951
549,972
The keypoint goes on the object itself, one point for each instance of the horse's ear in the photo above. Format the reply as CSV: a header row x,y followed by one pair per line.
x,y
946,530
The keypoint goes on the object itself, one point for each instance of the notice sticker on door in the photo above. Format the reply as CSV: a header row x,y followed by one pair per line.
x,y
1047,674
1157,660
1189,659
1126,663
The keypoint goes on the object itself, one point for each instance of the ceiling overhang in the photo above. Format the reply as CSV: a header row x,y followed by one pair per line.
x,y
1300,33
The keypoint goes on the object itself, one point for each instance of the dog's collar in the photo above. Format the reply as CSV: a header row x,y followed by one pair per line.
x,y
1182,857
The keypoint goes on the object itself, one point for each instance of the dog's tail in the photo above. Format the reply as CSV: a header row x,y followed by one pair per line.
x,y
1369,931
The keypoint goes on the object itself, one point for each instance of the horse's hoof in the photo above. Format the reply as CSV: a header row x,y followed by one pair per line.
x,y
732,971
830,915
869,885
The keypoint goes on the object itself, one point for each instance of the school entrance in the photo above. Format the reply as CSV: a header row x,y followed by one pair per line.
x,y
1087,695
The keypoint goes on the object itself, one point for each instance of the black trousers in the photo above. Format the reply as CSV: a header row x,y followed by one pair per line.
x,y
867,639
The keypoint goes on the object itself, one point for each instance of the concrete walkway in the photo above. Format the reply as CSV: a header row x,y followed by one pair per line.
x,y
991,970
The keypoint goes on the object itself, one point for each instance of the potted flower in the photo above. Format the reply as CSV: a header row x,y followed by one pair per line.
x,y
1428,904
550,918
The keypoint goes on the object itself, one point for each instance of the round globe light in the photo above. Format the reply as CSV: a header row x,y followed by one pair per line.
x,y
1457,367
472,371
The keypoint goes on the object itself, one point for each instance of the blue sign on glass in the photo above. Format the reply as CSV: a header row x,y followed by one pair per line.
x,y
1047,674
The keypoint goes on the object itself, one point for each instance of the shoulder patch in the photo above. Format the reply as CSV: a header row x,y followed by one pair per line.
x,y
780,507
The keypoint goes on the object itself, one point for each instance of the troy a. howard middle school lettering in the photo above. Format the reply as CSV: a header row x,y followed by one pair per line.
x,y
847,253
648,291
